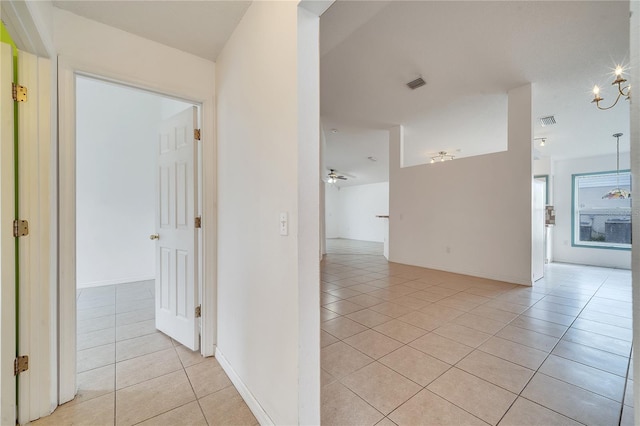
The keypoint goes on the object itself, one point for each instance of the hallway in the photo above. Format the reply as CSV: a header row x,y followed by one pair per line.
x,y
407,345
130,373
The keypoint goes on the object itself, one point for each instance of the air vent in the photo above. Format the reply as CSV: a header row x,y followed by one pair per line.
x,y
418,82
547,121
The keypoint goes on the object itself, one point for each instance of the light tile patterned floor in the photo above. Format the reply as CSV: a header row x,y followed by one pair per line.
x,y
129,373
411,346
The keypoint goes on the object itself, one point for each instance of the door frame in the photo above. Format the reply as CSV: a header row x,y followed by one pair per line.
x,y
67,71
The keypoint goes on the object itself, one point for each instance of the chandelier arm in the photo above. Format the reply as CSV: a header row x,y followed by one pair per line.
x,y
609,107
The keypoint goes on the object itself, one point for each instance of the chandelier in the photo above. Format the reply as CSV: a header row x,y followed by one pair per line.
x,y
622,91
442,156
617,193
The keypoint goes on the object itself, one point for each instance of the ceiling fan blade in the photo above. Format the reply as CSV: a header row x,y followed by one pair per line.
x,y
341,177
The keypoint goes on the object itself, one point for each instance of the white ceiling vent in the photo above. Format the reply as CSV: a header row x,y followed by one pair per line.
x,y
418,82
547,121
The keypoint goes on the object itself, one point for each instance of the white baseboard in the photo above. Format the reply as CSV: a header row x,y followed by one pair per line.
x,y
255,407
125,280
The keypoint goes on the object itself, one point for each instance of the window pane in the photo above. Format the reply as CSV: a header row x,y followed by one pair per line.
x,y
598,221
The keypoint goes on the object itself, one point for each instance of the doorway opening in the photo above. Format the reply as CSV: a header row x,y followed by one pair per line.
x,y
118,208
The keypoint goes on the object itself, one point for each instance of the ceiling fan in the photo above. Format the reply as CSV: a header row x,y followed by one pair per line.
x,y
333,177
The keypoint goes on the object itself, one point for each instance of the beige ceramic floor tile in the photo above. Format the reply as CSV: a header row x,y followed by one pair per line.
x,y
341,359
498,371
519,354
372,343
188,415
95,338
95,412
592,357
381,387
528,338
400,331
424,321
344,307
385,422
442,348
153,397
207,377
142,345
364,299
598,341
145,367
627,418
476,396
427,408
98,356
589,378
95,324
135,316
129,331
326,314
526,413
327,339
342,327
479,323
341,407
461,334
94,383
391,309
226,407
415,365
540,326
572,401
369,318
188,357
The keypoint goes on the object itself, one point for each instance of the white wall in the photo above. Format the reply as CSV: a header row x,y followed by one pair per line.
x,y
562,183
116,130
351,211
332,209
471,215
97,49
262,275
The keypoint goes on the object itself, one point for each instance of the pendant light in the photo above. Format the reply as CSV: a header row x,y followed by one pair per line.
x,y
617,193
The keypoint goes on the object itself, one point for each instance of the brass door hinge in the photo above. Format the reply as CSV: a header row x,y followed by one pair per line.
x,y
198,222
19,92
196,134
20,228
198,311
20,364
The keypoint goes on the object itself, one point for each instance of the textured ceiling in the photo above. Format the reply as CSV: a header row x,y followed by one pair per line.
x,y
470,54
198,27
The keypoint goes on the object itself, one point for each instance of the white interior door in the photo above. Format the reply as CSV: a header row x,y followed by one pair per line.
x,y
7,243
176,251
538,230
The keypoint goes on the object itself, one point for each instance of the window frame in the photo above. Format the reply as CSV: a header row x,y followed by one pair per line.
x,y
597,244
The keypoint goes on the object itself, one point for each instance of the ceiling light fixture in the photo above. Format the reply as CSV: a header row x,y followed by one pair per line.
x,y
543,141
372,158
622,91
442,156
617,193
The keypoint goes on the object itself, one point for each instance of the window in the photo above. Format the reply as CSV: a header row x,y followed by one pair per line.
x,y
601,222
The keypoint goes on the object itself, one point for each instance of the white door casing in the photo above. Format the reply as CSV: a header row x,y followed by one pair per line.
x,y
538,230
176,250
7,247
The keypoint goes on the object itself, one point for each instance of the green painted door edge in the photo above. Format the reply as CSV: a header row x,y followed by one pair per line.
x,y
5,37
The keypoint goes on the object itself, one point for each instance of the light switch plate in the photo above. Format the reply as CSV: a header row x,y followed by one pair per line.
x,y
284,224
